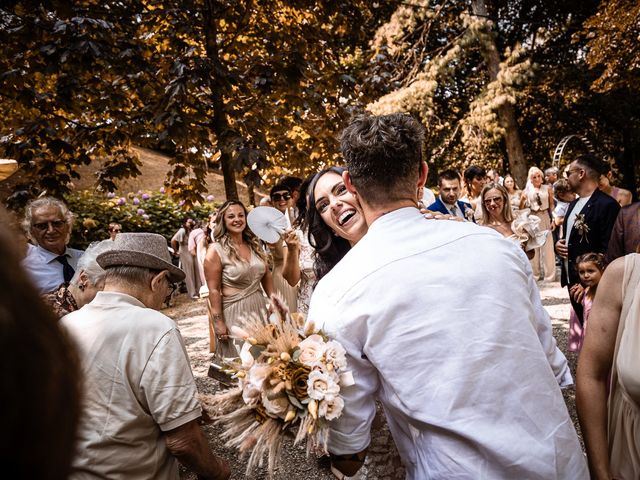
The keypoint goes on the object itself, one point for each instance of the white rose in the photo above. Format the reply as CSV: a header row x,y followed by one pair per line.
x,y
331,408
335,354
321,385
276,407
252,384
311,350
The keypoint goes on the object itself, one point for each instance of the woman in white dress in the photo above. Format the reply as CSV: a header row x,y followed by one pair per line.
x,y
539,199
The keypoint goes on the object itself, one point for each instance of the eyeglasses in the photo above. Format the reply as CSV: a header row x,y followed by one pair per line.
x,y
115,230
172,288
43,226
488,201
280,196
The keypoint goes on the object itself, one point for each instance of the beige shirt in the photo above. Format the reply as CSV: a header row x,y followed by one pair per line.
x,y
137,384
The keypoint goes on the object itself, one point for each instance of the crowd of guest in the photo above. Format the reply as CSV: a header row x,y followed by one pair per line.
x,y
112,294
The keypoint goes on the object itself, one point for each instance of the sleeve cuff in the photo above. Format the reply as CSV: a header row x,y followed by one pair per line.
x,y
178,422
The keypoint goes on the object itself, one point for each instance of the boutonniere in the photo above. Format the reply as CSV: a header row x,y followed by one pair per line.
x,y
469,213
581,226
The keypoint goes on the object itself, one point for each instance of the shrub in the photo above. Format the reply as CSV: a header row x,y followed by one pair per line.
x,y
136,212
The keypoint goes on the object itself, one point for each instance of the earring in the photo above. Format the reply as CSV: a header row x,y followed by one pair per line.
x,y
81,287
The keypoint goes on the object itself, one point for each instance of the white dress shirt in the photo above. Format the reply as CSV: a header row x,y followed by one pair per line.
x,y
465,365
43,268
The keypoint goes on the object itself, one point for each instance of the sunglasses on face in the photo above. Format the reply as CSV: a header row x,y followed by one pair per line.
x,y
115,230
496,200
280,196
43,226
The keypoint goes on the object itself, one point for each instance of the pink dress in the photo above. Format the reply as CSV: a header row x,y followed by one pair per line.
x,y
577,331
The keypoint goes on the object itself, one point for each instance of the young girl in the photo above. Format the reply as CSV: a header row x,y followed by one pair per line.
x,y
590,267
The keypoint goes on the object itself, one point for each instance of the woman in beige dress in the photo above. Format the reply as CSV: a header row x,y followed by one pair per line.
x,y
610,362
539,199
236,270
515,194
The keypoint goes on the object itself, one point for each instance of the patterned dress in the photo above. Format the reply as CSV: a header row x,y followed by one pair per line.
x,y
61,301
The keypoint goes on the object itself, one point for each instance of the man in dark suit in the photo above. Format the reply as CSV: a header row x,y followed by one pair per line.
x,y
447,201
588,223
625,237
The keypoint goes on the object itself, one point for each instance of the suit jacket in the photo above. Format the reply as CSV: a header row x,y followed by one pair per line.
x,y
439,206
625,237
600,214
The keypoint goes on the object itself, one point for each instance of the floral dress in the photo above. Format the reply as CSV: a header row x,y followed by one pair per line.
x,y
61,301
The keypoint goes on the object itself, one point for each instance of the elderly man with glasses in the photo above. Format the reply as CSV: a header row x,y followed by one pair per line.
x,y
49,262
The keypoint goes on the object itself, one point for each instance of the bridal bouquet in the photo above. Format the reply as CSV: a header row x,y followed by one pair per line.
x,y
289,381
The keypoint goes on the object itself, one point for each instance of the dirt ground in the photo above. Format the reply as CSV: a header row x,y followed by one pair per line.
x,y
191,317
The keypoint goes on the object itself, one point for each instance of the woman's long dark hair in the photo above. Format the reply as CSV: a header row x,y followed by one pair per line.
x,y
329,248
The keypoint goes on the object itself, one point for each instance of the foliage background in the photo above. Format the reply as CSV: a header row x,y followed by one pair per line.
x,y
262,88
152,212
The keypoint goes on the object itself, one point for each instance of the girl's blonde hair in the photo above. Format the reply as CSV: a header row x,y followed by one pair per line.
x,y
221,235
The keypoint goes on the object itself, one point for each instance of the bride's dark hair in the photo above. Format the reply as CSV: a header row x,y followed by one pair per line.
x,y
329,248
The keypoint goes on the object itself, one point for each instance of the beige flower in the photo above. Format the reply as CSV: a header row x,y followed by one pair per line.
x,y
275,407
253,384
331,409
335,354
311,350
321,385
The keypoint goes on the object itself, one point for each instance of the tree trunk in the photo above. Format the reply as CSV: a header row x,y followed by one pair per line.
x,y
252,194
219,85
506,113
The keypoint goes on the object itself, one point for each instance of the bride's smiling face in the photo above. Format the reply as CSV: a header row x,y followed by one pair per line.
x,y
338,208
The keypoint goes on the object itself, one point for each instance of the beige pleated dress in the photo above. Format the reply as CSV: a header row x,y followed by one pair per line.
x,y
624,399
246,277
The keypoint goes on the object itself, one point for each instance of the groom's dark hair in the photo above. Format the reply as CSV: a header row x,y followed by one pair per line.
x,y
383,156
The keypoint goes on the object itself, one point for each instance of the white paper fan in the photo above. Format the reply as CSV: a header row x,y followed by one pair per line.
x,y
267,223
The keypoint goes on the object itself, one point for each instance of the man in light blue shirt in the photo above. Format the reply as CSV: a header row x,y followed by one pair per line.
x,y
49,262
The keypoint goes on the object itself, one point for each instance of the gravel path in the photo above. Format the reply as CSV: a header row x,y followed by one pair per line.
x,y
191,317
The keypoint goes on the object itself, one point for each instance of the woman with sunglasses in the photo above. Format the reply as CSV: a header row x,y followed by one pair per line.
x,y
280,196
236,270
539,199
114,230
497,214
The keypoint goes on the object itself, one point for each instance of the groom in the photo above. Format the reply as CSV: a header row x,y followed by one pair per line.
x,y
465,383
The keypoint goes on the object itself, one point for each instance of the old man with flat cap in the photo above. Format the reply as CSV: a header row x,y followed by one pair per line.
x,y
140,415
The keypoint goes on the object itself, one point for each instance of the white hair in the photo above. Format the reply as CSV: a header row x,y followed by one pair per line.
x,y
88,263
